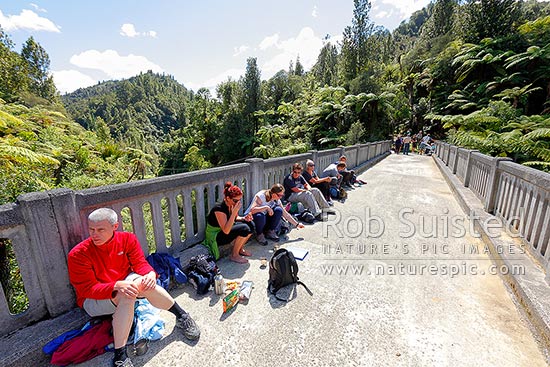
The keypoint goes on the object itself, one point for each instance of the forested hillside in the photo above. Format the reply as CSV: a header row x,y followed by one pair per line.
x,y
141,109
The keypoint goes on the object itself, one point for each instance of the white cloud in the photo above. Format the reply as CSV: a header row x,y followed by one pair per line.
x,y
404,7
213,82
114,65
129,30
68,81
239,50
38,8
269,41
28,20
314,11
384,14
306,45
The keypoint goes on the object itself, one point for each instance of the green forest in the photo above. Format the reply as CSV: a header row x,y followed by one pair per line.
x,y
474,73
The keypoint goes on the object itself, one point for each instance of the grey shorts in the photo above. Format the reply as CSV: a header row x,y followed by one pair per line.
x,y
99,307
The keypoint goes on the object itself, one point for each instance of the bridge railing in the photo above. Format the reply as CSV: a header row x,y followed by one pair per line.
x,y
167,214
517,194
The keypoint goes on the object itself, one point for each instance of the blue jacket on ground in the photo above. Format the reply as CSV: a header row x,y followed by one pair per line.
x,y
166,266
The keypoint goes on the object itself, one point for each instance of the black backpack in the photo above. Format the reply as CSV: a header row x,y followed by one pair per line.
x,y
200,272
306,216
283,270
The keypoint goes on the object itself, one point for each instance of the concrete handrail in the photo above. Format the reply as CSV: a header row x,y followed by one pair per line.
x,y
518,194
167,214
522,201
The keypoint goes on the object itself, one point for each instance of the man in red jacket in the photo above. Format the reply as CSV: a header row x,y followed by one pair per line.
x,y
108,271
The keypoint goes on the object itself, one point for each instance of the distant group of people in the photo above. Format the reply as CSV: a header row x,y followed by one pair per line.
x,y
413,143
108,270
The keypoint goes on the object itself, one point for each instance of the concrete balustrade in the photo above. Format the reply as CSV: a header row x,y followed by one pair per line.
x,y
452,159
167,214
522,201
462,163
351,154
327,157
517,194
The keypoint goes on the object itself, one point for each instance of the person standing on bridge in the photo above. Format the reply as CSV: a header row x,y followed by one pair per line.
x,y
406,144
109,272
398,142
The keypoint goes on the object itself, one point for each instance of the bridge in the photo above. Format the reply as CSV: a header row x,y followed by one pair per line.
x,y
438,260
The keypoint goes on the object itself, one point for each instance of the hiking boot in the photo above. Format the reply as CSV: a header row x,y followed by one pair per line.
x,y
260,238
189,327
124,363
330,211
271,235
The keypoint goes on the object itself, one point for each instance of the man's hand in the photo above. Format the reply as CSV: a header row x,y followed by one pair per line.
x,y
149,281
127,289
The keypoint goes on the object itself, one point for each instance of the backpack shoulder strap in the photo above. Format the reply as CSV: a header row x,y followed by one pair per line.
x,y
305,286
274,292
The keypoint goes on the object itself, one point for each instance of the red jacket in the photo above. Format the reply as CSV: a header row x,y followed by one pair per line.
x,y
94,270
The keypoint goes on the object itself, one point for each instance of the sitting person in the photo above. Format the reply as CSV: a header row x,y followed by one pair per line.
x,y
322,184
224,225
348,176
425,143
298,190
267,210
335,170
108,272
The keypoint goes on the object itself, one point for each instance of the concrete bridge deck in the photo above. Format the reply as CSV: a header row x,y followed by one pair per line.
x,y
385,301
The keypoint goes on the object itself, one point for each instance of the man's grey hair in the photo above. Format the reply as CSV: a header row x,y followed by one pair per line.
x,y
309,162
103,214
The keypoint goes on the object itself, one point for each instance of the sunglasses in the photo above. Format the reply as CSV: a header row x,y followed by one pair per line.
x,y
235,200
297,172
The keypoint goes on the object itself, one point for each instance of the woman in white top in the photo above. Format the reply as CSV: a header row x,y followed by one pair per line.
x,y
267,210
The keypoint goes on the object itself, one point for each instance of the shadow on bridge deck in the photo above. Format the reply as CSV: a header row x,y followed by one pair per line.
x,y
398,279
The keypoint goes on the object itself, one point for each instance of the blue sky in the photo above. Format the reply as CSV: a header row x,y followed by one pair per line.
x,y
200,43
